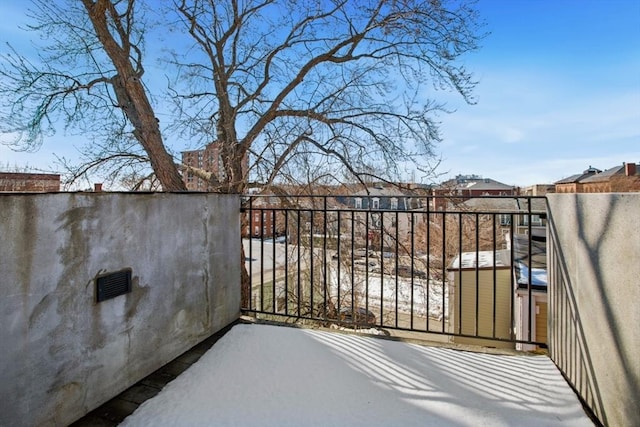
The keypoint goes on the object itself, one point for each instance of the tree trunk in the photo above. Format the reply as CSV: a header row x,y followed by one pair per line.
x,y
130,92
245,280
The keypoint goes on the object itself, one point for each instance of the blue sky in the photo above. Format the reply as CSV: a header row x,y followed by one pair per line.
x,y
559,90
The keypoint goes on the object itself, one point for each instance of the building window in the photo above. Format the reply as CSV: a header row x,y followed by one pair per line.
x,y
394,203
505,219
358,202
375,203
535,220
375,220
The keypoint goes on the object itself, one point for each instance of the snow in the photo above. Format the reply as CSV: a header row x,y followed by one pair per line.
x,y
373,289
538,275
434,301
281,376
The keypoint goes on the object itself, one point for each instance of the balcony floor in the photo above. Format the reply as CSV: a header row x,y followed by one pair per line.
x,y
279,376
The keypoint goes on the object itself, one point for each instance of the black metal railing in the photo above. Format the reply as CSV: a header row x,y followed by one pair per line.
x,y
470,268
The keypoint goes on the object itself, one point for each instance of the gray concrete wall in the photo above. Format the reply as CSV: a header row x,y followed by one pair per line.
x,y
594,300
62,354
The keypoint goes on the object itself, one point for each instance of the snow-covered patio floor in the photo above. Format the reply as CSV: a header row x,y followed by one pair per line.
x,y
265,375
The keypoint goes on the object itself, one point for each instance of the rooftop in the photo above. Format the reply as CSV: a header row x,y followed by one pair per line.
x,y
282,376
607,174
590,171
481,259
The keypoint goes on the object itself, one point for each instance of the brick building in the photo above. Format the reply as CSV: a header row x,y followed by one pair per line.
x,y
573,183
618,179
29,182
210,160
262,222
467,186
265,217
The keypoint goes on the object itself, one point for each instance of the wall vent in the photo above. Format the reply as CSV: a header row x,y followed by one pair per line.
x,y
111,285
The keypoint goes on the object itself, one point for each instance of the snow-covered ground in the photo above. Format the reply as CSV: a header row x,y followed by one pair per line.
x,y
434,300
437,296
263,375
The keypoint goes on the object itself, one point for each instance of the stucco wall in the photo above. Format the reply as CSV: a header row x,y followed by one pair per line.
x,y
61,353
594,297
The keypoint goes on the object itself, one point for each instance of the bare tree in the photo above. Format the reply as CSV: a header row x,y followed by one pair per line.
x,y
446,235
89,78
334,82
341,82
281,80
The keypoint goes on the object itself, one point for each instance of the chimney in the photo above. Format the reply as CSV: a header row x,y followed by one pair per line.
x,y
97,188
630,169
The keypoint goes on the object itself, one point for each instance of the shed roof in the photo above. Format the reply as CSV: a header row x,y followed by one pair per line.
x,y
481,259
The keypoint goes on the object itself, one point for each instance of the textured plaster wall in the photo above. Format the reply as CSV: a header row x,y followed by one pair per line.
x,y
61,353
594,297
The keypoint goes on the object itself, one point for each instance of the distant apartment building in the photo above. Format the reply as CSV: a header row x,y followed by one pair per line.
x,y
618,179
208,159
467,186
29,182
573,183
383,213
265,218
263,222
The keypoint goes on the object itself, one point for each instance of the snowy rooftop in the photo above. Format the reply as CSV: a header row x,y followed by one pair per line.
x,y
279,376
483,259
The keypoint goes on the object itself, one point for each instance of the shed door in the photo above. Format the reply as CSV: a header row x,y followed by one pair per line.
x,y
541,322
